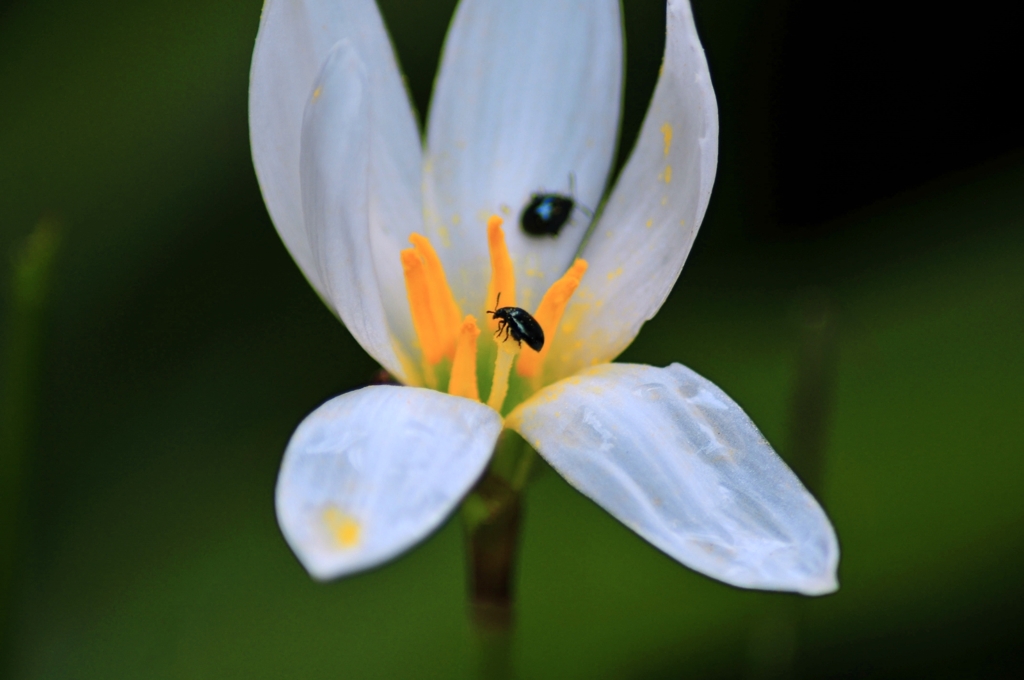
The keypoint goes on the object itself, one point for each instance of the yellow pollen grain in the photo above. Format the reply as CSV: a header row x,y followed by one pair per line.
x,y
345,530
446,312
549,315
463,380
503,276
668,174
615,274
666,133
650,223
418,291
316,93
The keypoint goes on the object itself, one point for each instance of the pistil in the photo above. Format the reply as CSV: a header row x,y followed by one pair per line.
x,y
507,351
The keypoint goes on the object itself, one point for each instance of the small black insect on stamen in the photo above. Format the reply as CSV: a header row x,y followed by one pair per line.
x,y
519,324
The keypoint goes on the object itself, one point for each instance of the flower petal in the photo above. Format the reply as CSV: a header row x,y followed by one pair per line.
x,y
335,179
672,457
292,47
645,232
372,472
528,93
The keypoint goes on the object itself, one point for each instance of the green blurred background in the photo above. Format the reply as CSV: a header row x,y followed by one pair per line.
x,y
858,286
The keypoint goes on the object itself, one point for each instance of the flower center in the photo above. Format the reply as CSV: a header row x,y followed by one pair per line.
x,y
449,340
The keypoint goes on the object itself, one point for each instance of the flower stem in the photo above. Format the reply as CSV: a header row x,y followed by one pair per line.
x,y
492,518
32,272
813,398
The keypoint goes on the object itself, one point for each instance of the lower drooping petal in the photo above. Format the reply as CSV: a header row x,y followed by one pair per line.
x,y
671,456
372,472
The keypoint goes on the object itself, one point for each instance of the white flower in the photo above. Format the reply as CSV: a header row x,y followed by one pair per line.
x,y
399,240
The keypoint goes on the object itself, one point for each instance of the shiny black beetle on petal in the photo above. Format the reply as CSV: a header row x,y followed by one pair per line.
x,y
546,214
519,324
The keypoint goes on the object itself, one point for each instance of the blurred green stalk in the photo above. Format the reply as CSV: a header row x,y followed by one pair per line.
x,y
774,637
31,273
813,399
491,517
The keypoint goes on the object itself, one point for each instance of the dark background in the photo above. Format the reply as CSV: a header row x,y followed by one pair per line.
x,y
858,286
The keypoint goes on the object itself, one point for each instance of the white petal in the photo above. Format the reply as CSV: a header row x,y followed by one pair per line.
x,y
675,459
335,179
293,44
373,472
528,93
645,232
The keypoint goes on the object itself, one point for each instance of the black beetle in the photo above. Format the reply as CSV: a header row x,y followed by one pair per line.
x,y
546,214
519,323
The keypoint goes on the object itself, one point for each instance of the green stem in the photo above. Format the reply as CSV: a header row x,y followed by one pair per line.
x,y
814,392
774,642
491,517
29,287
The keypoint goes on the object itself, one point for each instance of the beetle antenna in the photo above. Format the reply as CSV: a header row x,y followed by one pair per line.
x,y
572,192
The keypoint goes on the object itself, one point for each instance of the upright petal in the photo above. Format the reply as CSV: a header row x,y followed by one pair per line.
x,y
371,473
675,459
293,43
335,179
644,235
528,94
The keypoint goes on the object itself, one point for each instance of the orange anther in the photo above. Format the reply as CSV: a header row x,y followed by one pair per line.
x,y
463,379
503,275
423,320
447,316
549,315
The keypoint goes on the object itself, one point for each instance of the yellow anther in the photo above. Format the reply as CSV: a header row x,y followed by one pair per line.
x,y
463,380
344,529
447,316
418,291
549,315
503,276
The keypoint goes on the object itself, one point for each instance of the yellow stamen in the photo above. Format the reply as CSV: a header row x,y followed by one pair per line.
x,y
447,316
507,351
503,276
463,380
549,315
418,290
